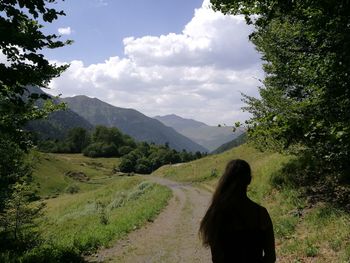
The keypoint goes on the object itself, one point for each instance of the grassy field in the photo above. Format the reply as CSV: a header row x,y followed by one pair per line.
x,y
102,209
304,233
50,172
89,211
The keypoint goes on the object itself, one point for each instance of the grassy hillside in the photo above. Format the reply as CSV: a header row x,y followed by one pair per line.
x,y
104,207
304,233
80,223
51,172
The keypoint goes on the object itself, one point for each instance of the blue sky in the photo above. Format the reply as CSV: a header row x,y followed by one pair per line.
x,y
99,27
158,57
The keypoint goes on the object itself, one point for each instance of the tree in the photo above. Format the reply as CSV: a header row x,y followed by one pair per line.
x,y
21,42
124,150
18,219
77,139
13,168
143,166
107,135
304,105
126,165
101,149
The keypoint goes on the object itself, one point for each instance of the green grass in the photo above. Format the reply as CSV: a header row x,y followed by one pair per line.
x,y
101,211
78,224
50,169
319,233
94,218
108,206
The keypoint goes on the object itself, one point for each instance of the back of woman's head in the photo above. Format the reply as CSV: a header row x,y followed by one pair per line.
x,y
231,188
234,181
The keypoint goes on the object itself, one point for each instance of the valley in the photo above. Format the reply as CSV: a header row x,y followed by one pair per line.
x,y
304,233
147,103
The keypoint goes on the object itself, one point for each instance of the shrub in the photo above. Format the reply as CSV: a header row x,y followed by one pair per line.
x,y
126,165
124,150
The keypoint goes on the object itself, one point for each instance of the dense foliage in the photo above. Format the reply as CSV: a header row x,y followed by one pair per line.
x,y
139,157
21,41
304,104
22,66
305,100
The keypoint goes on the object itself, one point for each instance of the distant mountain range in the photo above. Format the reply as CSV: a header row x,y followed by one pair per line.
x,y
231,144
211,137
131,122
178,132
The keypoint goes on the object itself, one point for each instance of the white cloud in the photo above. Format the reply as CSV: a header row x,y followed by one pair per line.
x,y
196,74
65,30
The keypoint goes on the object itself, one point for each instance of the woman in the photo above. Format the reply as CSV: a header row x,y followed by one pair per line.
x,y
236,228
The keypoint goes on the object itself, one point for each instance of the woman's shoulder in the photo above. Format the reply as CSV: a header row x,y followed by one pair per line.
x,y
263,215
265,218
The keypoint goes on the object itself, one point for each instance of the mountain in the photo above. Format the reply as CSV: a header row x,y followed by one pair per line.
x,y
58,123
179,123
131,122
231,144
211,137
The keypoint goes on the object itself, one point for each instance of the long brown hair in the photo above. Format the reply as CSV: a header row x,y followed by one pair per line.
x,y
231,188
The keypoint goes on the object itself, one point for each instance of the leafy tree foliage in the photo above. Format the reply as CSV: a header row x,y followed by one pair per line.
x,y
148,157
101,149
13,168
77,139
21,42
107,135
18,219
305,98
139,157
126,165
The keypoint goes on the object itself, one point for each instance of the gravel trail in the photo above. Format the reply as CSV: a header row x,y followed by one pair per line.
x,y
172,237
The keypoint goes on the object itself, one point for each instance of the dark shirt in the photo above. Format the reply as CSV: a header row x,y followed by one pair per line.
x,y
245,236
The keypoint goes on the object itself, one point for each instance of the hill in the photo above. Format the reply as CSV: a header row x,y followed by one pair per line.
x,y
131,122
231,144
211,137
304,231
58,123
76,222
87,205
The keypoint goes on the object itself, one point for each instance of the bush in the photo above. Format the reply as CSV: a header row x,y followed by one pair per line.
x,y
124,150
126,165
143,166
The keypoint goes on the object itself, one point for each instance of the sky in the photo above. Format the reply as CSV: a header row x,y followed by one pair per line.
x,y
158,57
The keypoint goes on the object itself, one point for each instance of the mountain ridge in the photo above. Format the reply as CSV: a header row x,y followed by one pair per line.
x,y
58,123
131,122
211,137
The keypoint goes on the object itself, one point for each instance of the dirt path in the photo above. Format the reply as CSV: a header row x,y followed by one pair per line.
x,y
172,237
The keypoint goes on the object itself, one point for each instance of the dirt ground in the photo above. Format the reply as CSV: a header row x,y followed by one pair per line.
x,y
172,237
